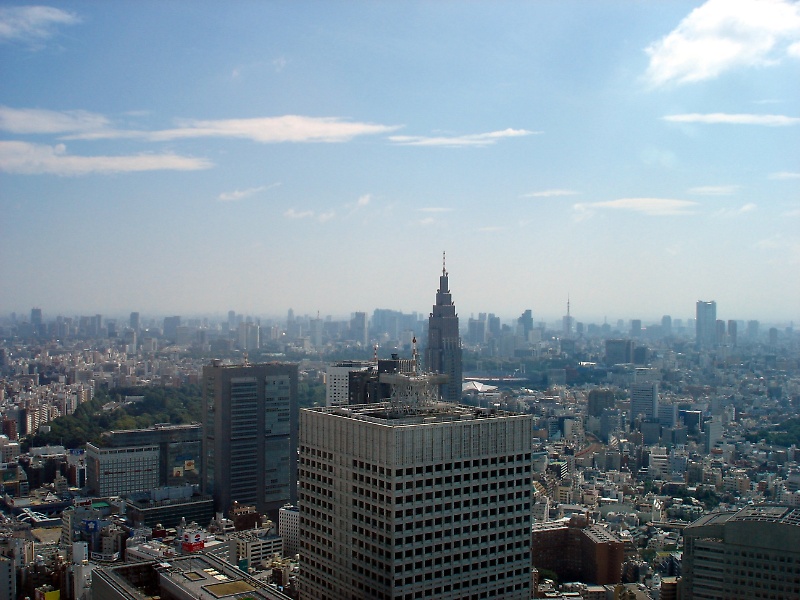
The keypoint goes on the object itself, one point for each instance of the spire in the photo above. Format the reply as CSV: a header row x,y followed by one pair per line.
x,y
444,269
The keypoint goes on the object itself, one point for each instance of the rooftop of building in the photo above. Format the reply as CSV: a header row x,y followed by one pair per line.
x,y
763,513
386,413
198,575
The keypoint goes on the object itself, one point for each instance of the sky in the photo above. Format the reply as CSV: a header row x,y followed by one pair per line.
x,y
198,157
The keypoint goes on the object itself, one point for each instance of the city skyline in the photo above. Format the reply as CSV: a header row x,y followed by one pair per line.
x,y
634,158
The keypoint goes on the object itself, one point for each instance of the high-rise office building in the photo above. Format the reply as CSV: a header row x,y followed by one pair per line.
x,y
742,555
134,321
170,327
644,400
619,352
733,328
414,498
36,321
706,324
250,425
359,328
666,325
443,354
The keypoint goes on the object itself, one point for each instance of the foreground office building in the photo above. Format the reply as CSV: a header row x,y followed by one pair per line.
x,y
414,498
748,554
250,417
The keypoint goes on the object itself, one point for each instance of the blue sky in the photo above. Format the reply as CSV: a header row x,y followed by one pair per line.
x,y
196,157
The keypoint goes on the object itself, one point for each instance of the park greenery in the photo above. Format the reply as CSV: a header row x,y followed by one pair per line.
x,y
124,408
784,434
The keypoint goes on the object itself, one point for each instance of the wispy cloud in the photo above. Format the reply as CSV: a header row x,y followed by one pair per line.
x,y
309,214
722,35
787,249
41,121
266,130
784,175
32,24
364,199
84,125
734,119
655,207
549,194
490,229
30,159
427,221
476,139
246,193
298,214
435,209
279,64
792,213
715,190
730,213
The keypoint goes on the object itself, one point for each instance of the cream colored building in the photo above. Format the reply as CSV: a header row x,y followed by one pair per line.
x,y
414,498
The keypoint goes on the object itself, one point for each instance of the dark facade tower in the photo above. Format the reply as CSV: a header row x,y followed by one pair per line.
x,y
250,425
443,354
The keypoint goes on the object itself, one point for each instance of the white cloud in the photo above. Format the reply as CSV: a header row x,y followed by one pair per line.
x,y
242,194
427,221
784,175
37,121
657,207
434,209
364,200
715,190
32,24
287,128
279,64
323,217
725,34
549,194
734,119
476,139
730,213
29,159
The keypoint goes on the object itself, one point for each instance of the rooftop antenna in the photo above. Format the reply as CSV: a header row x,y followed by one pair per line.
x,y
415,354
444,270
246,361
375,354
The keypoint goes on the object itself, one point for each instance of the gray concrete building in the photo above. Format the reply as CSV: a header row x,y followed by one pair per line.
x,y
743,555
250,414
414,498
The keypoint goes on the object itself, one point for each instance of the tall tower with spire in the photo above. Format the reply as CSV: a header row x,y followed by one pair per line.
x,y
443,354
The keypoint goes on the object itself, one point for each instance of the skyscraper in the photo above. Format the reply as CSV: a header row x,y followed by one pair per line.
x,y
443,354
644,400
414,498
250,425
706,324
743,555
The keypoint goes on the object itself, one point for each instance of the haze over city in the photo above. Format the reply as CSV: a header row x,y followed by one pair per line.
x,y
177,158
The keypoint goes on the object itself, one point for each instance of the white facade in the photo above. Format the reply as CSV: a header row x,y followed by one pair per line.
x,y
337,381
644,400
398,504
119,471
289,529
